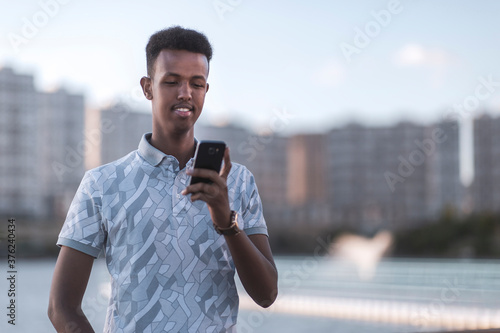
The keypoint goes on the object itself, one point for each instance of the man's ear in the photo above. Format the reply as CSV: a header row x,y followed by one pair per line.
x,y
208,86
146,87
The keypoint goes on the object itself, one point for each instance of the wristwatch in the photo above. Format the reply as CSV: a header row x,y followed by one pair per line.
x,y
232,229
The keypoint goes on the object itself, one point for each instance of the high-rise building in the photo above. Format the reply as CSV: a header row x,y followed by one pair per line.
x,y
485,190
20,190
306,171
306,154
42,147
444,188
391,177
270,170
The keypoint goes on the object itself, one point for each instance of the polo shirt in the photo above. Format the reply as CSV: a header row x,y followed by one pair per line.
x,y
170,271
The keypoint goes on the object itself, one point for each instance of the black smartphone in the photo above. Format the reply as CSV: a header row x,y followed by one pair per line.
x,y
209,155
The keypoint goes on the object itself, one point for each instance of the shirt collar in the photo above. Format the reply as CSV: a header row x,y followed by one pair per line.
x,y
152,155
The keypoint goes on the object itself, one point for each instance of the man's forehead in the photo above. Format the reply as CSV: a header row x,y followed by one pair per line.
x,y
171,61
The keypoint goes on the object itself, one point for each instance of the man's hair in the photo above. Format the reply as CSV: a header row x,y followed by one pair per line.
x,y
176,38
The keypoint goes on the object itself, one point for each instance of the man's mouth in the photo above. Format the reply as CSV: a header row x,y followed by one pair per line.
x,y
183,111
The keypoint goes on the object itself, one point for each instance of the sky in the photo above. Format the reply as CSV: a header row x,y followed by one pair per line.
x,y
319,64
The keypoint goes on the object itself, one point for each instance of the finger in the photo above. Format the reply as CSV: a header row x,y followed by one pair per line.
x,y
204,173
210,190
213,176
201,196
195,197
198,187
227,164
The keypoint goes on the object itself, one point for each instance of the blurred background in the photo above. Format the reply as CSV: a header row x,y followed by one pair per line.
x,y
372,129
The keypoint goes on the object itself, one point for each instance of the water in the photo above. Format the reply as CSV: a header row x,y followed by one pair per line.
x,y
316,295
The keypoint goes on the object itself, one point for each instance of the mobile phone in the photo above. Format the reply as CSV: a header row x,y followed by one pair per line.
x,y
208,155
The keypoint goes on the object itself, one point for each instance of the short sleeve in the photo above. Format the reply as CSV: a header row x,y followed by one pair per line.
x,y
251,209
83,228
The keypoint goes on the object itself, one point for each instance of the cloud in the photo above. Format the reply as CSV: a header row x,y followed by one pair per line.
x,y
417,55
330,74
437,62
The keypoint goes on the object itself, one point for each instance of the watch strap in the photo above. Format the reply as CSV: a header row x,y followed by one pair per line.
x,y
233,228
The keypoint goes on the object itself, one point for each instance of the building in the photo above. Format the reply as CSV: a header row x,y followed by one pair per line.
x,y
41,147
20,183
306,171
485,190
391,177
270,169
444,188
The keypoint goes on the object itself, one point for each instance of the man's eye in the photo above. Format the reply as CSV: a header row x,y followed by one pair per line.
x,y
197,85
170,82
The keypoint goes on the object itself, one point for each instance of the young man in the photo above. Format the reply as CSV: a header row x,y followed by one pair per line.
x,y
171,270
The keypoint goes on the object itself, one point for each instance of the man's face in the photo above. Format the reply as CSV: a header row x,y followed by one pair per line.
x,y
177,90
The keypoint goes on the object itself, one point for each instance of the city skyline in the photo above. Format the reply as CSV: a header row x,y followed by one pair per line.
x,y
369,176
282,118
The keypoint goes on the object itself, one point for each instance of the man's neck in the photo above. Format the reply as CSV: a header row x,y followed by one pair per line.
x,y
180,146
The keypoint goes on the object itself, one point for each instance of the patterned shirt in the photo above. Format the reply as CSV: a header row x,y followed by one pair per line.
x,y
170,271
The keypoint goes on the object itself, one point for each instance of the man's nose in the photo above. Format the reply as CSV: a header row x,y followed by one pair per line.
x,y
184,91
